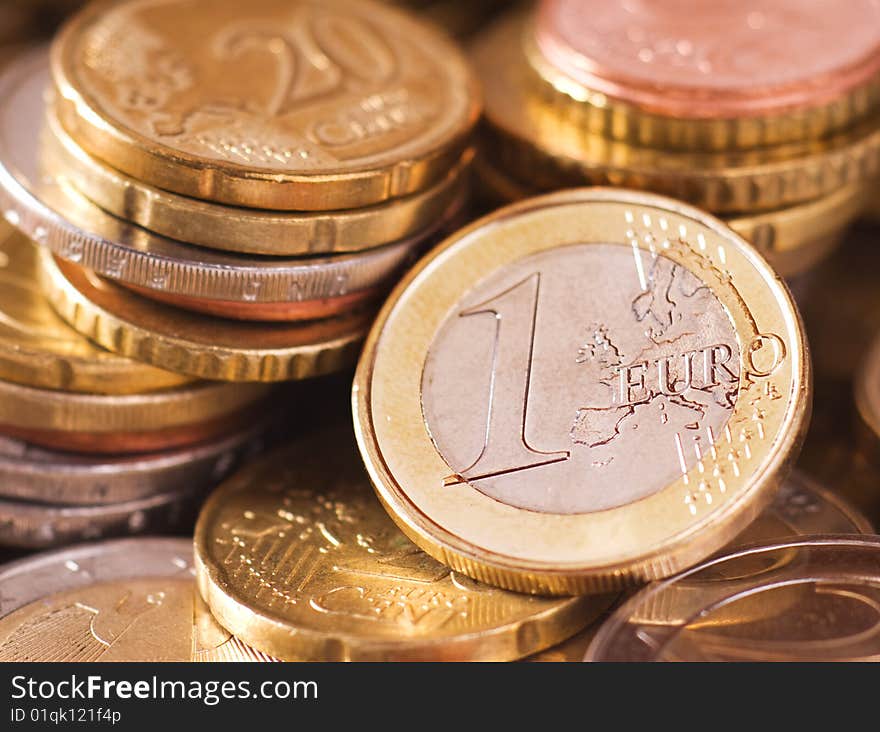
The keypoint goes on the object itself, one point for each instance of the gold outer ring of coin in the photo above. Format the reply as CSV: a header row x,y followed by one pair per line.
x,y
793,239
406,168
199,345
247,231
617,120
648,539
52,355
332,553
523,136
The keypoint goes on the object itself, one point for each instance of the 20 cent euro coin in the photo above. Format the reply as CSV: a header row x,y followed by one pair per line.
x,y
582,390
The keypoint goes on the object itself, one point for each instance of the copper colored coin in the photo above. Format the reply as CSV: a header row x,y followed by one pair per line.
x,y
262,311
200,345
122,443
818,600
721,59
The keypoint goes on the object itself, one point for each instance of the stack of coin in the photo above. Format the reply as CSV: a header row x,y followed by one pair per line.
x,y
501,397
765,114
92,444
235,213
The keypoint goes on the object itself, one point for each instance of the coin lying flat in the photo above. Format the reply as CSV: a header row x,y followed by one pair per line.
x,y
304,564
526,137
165,419
55,214
800,508
253,231
38,349
819,600
36,475
199,345
793,239
40,526
125,600
301,105
737,75
614,375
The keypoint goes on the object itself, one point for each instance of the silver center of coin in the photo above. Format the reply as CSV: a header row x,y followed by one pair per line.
x,y
581,378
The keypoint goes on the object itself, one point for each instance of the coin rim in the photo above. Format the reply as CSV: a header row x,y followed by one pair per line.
x,y
621,615
271,634
542,576
348,186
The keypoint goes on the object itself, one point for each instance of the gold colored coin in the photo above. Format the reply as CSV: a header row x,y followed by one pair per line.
x,y
245,230
41,409
38,349
306,105
303,563
515,372
146,620
793,239
525,137
198,345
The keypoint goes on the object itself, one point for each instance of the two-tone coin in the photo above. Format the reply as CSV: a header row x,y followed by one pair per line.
x,y
303,563
800,599
126,600
581,390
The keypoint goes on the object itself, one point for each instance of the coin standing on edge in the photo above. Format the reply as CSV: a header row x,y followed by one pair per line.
x,y
307,105
582,390
802,599
125,600
304,564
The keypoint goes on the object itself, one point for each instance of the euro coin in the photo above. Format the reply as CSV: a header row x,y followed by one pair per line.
x,y
124,600
302,563
310,105
831,591
581,390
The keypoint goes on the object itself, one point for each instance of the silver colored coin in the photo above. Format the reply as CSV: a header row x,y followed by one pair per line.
x,y
55,215
27,580
37,526
35,475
